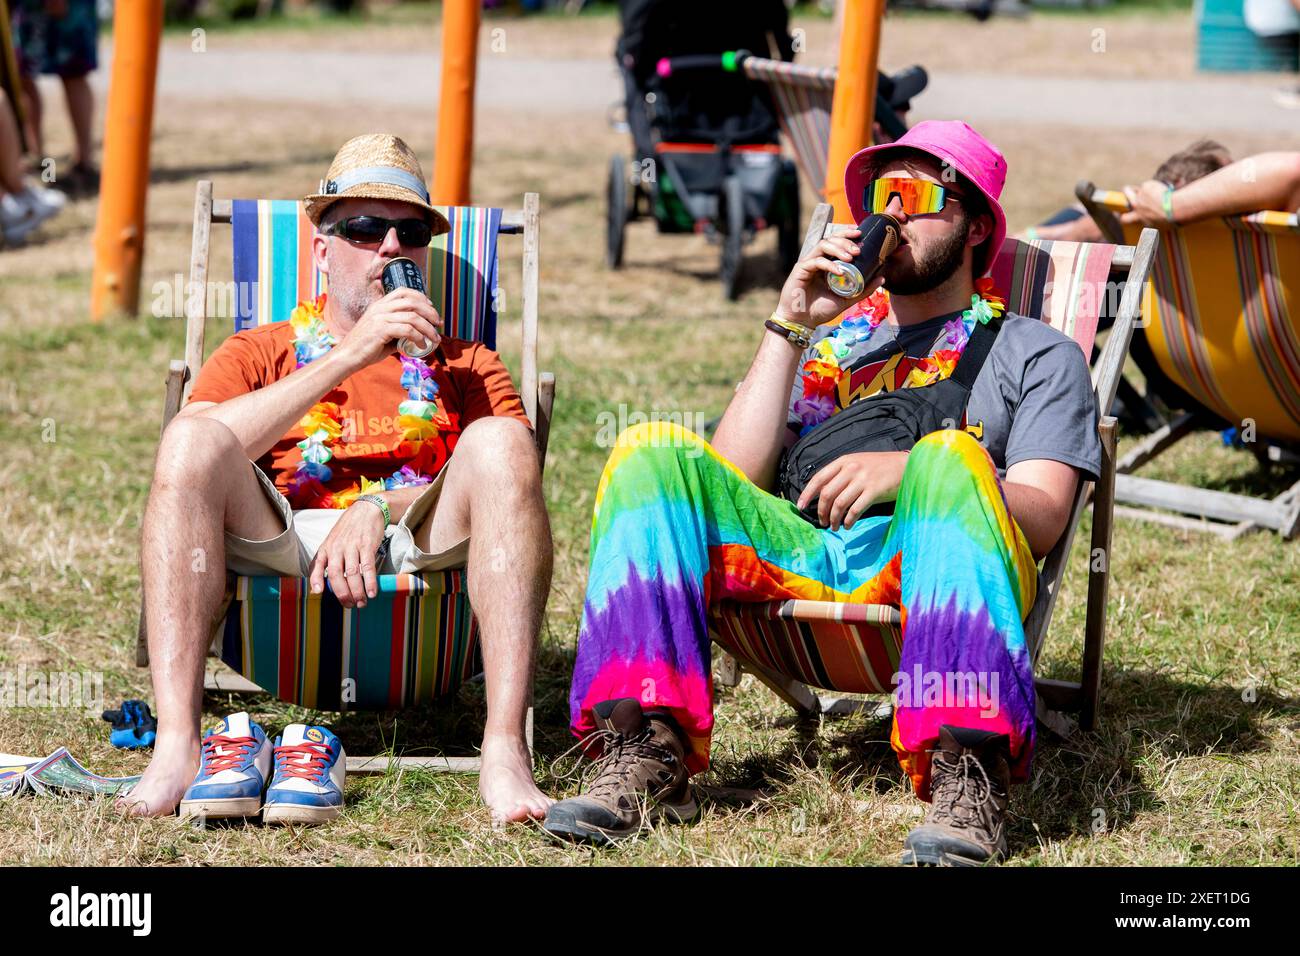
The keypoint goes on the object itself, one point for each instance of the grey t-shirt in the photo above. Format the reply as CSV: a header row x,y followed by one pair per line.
x,y
1032,399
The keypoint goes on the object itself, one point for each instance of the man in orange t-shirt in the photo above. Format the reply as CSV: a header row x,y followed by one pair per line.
x,y
313,448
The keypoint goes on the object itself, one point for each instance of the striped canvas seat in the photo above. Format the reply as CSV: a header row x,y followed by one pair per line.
x,y
1224,323
854,648
413,642
803,97
417,640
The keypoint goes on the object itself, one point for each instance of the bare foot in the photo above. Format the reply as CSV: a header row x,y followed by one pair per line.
x,y
165,780
506,784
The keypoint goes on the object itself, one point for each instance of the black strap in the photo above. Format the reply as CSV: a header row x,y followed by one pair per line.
x,y
976,351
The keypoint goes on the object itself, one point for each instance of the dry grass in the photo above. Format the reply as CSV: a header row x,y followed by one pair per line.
x,y
1182,769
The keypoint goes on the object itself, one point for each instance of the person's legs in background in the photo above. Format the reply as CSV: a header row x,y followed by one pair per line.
x,y
33,111
23,205
30,27
11,150
81,110
77,56
63,41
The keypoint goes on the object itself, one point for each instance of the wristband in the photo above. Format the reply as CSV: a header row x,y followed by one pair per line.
x,y
800,335
383,506
1167,203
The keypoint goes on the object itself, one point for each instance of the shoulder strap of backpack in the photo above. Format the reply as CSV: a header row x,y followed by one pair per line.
x,y
976,351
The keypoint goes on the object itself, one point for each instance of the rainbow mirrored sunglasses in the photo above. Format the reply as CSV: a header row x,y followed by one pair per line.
x,y
919,197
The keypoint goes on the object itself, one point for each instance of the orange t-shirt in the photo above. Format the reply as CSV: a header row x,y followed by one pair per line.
x,y
472,383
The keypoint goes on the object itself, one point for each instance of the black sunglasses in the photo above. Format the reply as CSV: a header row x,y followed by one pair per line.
x,y
373,229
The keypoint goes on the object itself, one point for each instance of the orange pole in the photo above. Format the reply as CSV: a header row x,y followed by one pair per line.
x,y
128,123
454,151
854,105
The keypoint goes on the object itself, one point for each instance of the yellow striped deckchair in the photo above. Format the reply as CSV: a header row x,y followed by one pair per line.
x,y
418,639
793,646
1223,326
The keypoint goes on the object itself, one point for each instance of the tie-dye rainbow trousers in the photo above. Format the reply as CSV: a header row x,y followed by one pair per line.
x,y
677,526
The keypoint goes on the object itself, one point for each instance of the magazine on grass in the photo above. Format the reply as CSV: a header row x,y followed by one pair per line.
x,y
57,773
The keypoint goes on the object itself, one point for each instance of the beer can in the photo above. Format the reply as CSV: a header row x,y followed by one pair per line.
x,y
848,282
403,273
878,239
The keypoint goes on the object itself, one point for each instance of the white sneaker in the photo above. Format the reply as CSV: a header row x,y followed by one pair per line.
x,y
17,219
38,197
310,768
22,212
236,761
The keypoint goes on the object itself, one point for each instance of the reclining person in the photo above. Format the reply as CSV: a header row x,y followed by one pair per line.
x,y
1196,183
680,524
1259,182
1199,182
292,458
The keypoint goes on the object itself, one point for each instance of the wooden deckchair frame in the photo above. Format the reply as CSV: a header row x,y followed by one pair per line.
x,y
537,390
1055,698
1223,513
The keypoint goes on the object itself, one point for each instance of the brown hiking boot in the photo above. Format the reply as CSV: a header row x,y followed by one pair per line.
x,y
969,779
640,777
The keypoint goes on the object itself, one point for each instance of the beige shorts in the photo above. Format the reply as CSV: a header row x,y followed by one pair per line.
x,y
290,553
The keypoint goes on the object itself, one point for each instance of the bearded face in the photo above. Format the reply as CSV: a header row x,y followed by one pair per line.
x,y
935,245
933,261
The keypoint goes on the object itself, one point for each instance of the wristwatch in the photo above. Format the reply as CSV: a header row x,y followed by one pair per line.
x,y
383,506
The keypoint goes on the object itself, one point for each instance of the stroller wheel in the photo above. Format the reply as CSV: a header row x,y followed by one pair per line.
x,y
616,212
733,239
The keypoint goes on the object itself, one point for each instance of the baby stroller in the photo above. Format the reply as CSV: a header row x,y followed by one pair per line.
x,y
707,155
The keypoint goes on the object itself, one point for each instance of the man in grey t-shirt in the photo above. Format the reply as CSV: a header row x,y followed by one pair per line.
x,y
1032,399
681,526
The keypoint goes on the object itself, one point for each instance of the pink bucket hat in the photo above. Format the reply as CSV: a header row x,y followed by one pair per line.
x,y
956,144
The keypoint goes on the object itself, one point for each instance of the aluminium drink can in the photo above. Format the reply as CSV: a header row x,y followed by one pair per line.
x,y
403,273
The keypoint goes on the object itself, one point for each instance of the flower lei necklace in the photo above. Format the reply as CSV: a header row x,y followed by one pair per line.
x,y
419,419
823,372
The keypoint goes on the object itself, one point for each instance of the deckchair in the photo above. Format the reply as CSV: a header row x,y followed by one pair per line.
x,y
1224,326
418,639
803,96
795,646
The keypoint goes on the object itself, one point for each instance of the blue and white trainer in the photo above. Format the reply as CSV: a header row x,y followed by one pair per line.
x,y
235,763
307,787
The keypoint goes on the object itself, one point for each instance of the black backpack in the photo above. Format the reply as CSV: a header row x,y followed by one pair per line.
x,y
886,421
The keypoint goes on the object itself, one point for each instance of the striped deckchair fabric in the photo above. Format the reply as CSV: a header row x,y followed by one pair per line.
x,y
273,267
414,642
1224,323
1063,283
417,639
854,648
803,98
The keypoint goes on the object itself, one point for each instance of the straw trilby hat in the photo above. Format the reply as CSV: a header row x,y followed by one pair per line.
x,y
374,166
